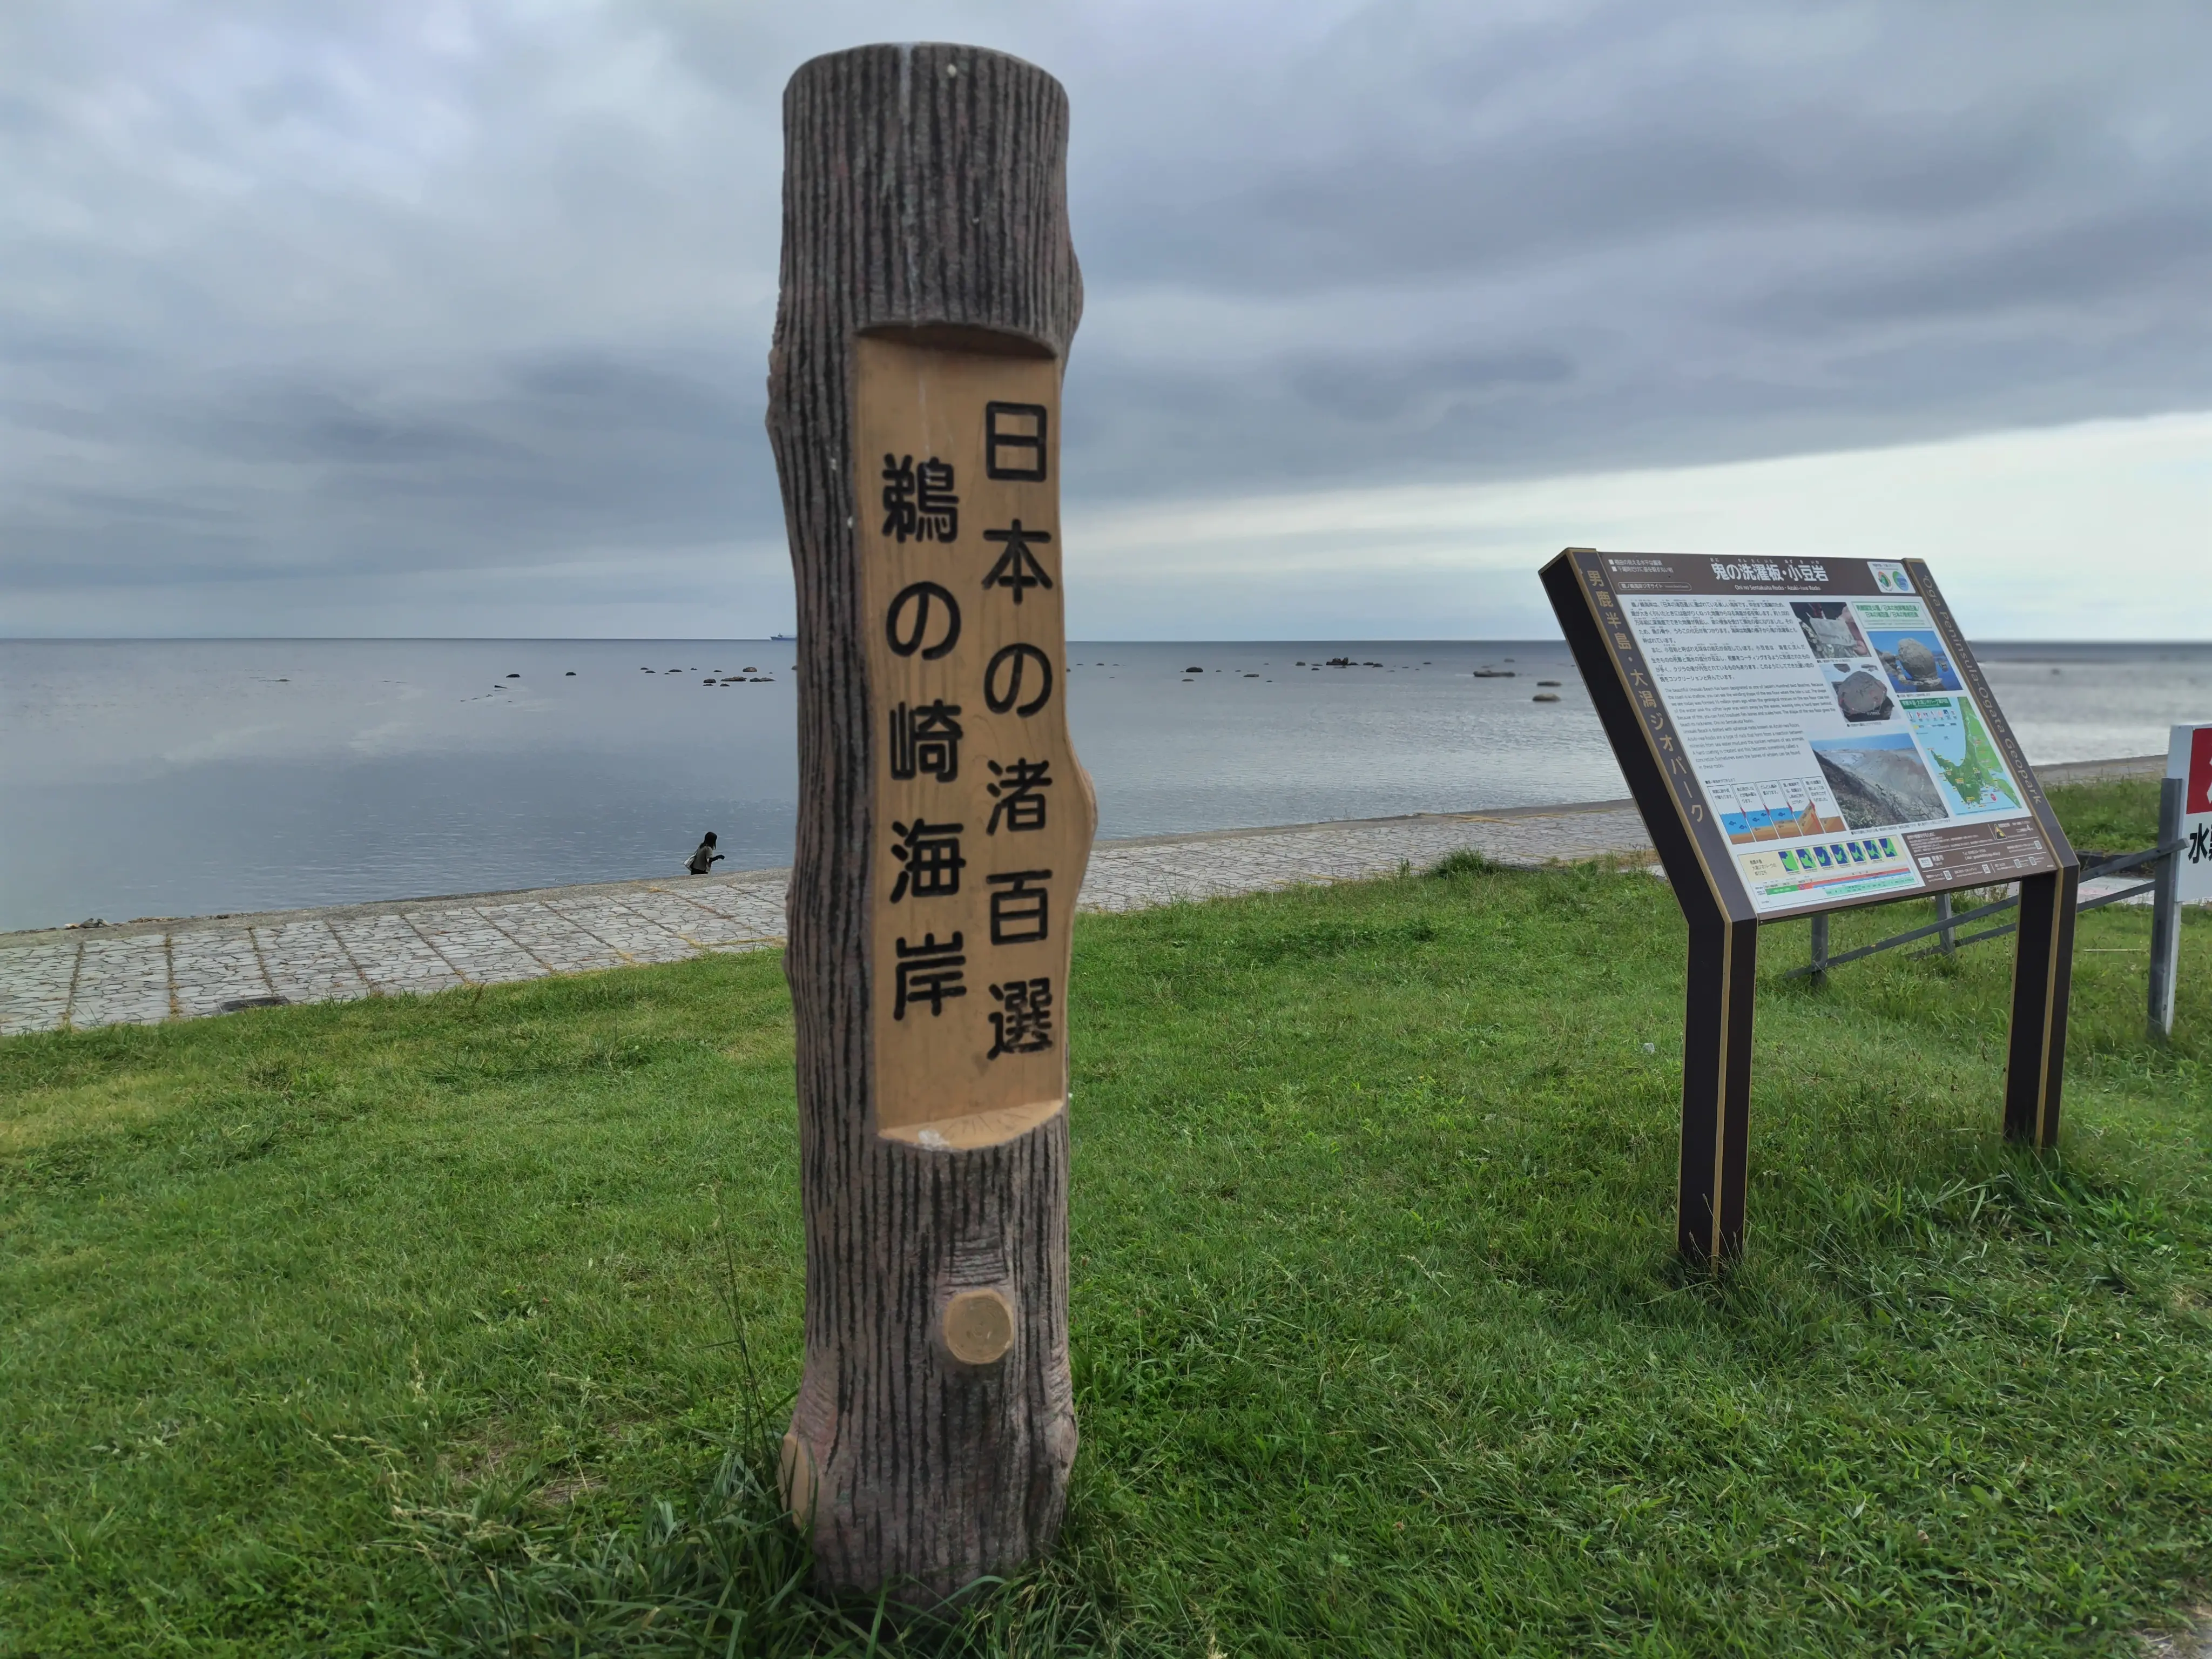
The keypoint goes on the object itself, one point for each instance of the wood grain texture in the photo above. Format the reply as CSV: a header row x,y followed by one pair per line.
x,y
924,200
990,815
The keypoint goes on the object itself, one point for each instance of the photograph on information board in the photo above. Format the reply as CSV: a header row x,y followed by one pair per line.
x,y
1824,714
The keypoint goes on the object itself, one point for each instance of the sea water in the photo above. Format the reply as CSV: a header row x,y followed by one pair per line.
x,y
182,778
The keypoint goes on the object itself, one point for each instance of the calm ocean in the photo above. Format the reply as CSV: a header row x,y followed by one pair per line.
x,y
180,778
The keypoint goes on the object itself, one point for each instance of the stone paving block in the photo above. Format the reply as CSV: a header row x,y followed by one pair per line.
x,y
475,948
766,912
1162,873
393,956
122,981
2100,886
210,966
620,926
691,923
551,937
307,963
751,907
697,918
34,987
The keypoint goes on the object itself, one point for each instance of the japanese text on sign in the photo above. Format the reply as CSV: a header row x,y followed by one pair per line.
x,y
982,814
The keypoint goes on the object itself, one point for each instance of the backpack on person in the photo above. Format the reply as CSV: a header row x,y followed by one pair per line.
x,y
706,858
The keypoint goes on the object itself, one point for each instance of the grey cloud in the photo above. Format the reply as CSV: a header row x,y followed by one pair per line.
x,y
1464,147
386,287
1357,389
2137,262
548,455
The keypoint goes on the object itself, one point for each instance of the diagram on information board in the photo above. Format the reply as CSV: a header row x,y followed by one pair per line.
x,y
1880,780
1825,716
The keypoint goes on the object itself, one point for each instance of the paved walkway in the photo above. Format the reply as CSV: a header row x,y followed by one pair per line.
x,y
142,973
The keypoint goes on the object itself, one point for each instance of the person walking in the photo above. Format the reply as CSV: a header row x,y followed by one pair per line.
x,y
706,858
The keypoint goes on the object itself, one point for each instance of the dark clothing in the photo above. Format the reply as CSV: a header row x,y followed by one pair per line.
x,y
704,859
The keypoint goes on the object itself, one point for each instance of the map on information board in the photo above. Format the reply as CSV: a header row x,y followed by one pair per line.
x,y
1821,723
1968,769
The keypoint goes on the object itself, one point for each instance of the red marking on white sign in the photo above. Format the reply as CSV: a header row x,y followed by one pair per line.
x,y
2188,757
2198,796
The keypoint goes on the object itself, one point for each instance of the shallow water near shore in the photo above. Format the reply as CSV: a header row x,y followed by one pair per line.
x,y
191,777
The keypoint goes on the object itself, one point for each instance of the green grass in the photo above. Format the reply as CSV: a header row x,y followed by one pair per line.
x,y
415,1324
2120,816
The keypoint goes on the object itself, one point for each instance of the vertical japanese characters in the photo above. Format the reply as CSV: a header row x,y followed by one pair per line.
x,y
986,819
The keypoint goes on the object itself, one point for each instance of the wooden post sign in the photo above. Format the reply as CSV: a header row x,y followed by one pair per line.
x,y
1804,736
929,294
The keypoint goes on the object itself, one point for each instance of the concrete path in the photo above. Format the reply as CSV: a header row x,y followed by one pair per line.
x,y
140,973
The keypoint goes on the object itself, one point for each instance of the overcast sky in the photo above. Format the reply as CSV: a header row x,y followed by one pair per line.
x,y
376,317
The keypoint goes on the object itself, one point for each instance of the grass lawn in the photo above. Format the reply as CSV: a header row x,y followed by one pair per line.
x,y
456,1325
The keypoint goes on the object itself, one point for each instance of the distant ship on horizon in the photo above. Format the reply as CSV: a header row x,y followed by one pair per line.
x,y
782,636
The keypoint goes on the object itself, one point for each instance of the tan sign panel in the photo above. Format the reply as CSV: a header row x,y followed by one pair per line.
x,y
983,815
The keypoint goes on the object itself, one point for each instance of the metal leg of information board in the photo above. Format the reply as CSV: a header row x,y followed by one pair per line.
x,y
2166,914
1820,949
1949,936
2042,975
1716,1088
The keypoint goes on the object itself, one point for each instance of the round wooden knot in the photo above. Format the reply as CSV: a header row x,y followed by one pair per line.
x,y
979,1326
797,1477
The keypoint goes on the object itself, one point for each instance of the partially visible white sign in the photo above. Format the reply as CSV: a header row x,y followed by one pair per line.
x,y
2188,757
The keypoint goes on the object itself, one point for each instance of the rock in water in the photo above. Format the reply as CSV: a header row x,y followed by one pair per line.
x,y
1918,661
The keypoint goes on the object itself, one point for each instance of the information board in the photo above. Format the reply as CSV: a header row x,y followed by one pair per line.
x,y
983,815
2188,757
1825,732
1803,735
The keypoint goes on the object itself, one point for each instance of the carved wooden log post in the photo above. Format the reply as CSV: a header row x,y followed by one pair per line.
x,y
929,294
